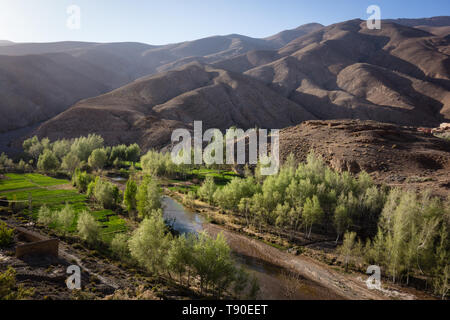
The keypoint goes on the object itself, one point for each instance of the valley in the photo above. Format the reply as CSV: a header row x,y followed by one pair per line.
x,y
95,206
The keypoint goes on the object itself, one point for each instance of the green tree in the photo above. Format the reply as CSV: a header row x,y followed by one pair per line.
x,y
97,160
213,263
61,148
88,228
133,153
105,193
207,190
48,162
150,243
342,220
148,197
65,218
46,216
119,246
129,198
312,213
179,257
70,162
84,146
346,250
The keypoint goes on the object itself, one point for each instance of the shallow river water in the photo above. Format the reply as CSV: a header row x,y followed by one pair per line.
x,y
275,282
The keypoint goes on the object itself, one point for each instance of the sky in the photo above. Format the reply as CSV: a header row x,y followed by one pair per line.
x,y
168,21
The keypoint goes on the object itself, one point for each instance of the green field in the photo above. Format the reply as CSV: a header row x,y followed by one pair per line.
x,y
44,190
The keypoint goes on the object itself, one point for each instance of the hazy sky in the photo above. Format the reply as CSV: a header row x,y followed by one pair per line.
x,y
168,21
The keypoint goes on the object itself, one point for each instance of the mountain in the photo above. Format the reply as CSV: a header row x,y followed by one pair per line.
x,y
394,155
176,98
442,21
40,80
5,43
398,74
284,37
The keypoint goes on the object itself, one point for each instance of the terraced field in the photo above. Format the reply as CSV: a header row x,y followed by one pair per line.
x,y
55,193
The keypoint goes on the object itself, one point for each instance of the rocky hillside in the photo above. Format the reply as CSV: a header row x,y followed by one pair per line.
x,y
398,156
149,109
41,80
398,74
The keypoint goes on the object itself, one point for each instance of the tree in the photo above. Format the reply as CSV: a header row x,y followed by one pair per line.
x,y
84,146
342,220
61,148
312,213
97,159
70,162
207,190
129,198
148,197
65,218
46,216
105,193
150,243
88,228
179,257
81,180
133,153
158,164
48,162
119,246
213,263
346,250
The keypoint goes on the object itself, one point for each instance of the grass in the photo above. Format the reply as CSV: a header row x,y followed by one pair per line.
x,y
20,186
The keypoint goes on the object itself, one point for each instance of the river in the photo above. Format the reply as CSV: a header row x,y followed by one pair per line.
x,y
275,282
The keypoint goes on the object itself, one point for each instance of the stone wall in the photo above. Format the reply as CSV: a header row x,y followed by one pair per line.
x,y
38,244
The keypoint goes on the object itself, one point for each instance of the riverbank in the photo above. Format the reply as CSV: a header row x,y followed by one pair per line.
x,y
328,282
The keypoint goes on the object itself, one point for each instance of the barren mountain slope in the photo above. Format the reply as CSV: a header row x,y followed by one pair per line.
x,y
398,156
195,92
35,88
397,74
95,68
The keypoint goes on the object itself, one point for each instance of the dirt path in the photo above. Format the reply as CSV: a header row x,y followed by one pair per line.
x,y
347,286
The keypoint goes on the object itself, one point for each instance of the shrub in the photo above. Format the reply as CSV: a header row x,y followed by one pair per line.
x,y
46,216
65,218
6,235
119,246
88,228
9,289
81,180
